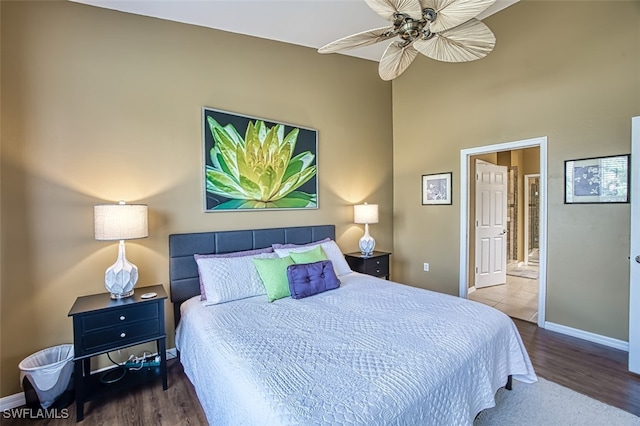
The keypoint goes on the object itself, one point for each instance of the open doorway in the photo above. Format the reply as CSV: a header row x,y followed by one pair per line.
x,y
504,277
521,294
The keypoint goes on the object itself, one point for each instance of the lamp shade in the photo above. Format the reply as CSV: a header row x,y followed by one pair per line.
x,y
365,213
120,221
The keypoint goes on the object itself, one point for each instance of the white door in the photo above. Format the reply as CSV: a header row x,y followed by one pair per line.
x,y
491,224
634,258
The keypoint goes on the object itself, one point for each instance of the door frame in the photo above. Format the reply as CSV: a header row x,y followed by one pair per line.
x,y
465,155
527,217
634,250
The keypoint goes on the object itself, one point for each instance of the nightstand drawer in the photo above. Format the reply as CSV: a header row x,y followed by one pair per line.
x,y
120,335
121,316
377,266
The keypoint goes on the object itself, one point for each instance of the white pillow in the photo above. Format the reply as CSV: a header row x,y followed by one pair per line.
x,y
330,248
231,278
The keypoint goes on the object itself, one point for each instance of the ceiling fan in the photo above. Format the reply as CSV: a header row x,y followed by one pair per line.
x,y
445,30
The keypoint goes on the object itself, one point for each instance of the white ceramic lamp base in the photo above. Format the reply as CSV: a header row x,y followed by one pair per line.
x,y
367,243
121,277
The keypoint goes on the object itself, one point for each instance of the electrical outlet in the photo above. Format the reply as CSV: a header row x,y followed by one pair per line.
x,y
426,267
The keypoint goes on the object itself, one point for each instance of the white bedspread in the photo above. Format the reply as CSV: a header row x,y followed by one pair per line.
x,y
371,352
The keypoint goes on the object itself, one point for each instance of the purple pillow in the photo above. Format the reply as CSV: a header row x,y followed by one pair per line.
x,y
203,295
285,246
307,279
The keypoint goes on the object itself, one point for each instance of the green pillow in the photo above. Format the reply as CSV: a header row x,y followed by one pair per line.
x,y
273,272
316,254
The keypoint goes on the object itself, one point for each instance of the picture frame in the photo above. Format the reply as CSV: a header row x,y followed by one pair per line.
x,y
597,180
436,189
255,164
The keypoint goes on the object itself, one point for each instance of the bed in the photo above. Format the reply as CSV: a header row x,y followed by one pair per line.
x,y
369,352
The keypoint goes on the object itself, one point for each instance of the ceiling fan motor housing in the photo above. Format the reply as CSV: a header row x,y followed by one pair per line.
x,y
410,29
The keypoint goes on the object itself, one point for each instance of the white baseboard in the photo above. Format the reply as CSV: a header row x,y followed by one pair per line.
x,y
471,290
586,335
17,399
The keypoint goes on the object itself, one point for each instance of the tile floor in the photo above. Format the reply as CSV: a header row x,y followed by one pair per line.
x,y
517,298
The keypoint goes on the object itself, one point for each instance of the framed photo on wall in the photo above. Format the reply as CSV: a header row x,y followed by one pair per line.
x,y
436,189
253,164
597,180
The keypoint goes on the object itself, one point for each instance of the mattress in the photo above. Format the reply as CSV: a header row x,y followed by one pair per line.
x,y
371,352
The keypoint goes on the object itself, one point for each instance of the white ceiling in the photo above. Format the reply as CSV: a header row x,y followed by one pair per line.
x,y
311,23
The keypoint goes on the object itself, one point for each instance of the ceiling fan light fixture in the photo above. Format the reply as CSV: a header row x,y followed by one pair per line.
x,y
429,15
444,30
427,35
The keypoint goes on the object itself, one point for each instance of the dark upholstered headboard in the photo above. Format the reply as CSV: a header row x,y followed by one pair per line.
x,y
183,271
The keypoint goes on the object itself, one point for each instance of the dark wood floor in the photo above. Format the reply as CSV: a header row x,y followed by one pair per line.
x,y
141,406
591,369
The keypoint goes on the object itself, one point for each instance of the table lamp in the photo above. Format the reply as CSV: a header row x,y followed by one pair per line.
x,y
366,214
120,222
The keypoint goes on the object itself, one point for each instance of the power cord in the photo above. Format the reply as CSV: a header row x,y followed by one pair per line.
x,y
104,376
120,355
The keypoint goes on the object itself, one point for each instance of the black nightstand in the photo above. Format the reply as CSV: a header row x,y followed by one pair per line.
x,y
102,325
377,264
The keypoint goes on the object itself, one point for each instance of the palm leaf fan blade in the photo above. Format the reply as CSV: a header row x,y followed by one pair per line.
x,y
365,38
451,13
467,42
395,60
388,8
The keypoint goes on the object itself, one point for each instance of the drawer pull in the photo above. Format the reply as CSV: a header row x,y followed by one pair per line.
x,y
378,270
123,334
377,262
122,317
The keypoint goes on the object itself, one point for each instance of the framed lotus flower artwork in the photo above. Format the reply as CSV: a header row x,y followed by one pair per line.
x,y
255,164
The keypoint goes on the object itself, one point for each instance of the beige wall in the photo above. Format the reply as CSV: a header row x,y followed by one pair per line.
x,y
552,76
99,106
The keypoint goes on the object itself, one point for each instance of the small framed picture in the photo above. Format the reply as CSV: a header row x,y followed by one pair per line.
x,y
597,180
436,189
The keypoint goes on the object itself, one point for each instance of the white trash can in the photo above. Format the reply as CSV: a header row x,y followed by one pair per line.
x,y
49,371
